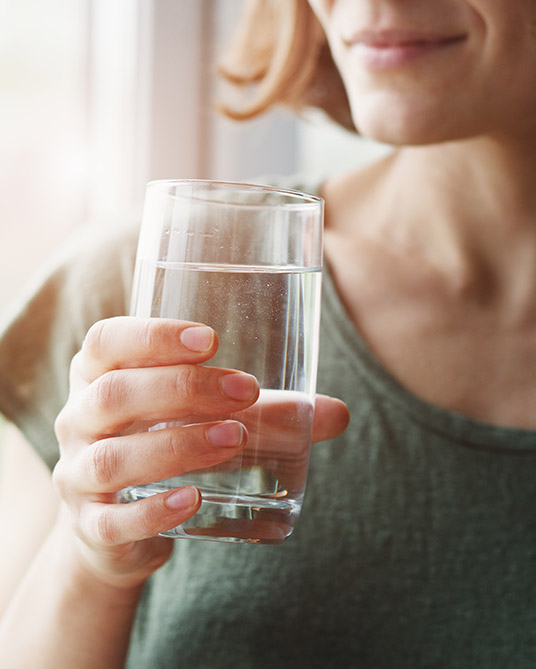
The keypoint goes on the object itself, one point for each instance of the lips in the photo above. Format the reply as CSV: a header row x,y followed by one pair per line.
x,y
391,49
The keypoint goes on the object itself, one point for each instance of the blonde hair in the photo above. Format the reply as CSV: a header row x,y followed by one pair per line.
x,y
279,55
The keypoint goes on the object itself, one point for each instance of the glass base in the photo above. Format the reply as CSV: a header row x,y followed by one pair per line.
x,y
248,519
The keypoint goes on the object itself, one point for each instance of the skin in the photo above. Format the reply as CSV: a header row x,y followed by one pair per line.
x,y
98,553
156,376
436,243
452,93
445,225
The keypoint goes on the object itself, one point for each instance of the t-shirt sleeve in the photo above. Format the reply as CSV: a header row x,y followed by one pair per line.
x,y
87,280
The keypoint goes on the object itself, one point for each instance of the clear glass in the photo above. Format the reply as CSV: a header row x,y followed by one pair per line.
x,y
246,260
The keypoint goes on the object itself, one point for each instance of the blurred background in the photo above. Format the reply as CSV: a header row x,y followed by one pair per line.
x,y
97,97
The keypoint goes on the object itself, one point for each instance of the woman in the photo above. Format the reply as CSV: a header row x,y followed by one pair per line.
x,y
416,543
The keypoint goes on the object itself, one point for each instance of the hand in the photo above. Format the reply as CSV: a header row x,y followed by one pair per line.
x,y
129,374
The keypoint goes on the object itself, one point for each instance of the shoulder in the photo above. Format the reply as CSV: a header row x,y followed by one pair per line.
x,y
86,280
96,255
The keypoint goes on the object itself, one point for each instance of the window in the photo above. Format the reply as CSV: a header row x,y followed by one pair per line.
x,y
43,123
98,97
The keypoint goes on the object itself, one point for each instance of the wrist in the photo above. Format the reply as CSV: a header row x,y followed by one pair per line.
x,y
102,573
75,615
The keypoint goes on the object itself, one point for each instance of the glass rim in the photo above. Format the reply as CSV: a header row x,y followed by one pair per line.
x,y
305,200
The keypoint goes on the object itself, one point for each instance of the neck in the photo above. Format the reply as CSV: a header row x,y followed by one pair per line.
x,y
481,184
471,202
468,208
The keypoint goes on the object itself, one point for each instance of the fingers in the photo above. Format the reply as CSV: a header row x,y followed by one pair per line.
x,y
103,524
282,417
118,398
112,464
331,418
123,342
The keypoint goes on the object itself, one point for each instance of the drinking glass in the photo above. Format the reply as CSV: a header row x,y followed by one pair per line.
x,y
247,260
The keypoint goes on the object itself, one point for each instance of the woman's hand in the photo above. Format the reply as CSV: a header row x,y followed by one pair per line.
x,y
129,374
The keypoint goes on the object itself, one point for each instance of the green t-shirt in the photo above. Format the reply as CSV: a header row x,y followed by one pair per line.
x,y
416,544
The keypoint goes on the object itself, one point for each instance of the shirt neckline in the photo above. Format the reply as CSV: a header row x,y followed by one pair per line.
x,y
455,426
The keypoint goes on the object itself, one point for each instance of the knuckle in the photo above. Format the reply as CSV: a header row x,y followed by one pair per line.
x,y
187,384
61,425
76,364
150,336
105,530
94,340
104,464
108,391
59,478
171,443
146,523
158,335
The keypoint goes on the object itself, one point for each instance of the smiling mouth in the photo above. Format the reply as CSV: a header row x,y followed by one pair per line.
x,y
386,50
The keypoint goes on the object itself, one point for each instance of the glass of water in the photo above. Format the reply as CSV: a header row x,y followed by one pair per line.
x,y
246,260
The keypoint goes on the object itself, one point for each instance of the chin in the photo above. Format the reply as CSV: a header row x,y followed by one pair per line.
x,y
396,136
408,123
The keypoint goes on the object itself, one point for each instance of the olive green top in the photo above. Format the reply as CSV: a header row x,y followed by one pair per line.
x,y
416,544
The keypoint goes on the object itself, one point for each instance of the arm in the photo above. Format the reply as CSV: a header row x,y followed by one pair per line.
x,y
28,508
78,599
61,616
42,582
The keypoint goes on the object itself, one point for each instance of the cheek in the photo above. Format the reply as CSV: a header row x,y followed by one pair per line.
x,y
503,26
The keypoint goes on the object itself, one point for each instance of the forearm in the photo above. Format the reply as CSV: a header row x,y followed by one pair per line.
x,y
63,616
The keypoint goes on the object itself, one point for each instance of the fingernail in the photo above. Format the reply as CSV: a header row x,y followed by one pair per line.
x,y
198,338
228,434
239,386
183,498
